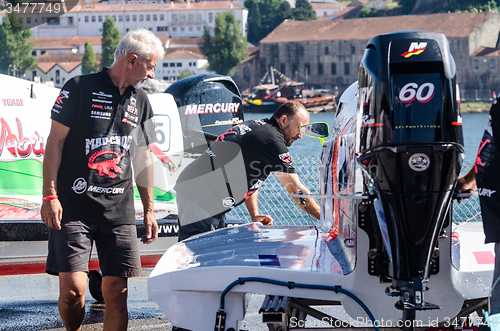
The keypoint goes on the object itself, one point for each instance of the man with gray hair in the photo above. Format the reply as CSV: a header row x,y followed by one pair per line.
x,y
101,125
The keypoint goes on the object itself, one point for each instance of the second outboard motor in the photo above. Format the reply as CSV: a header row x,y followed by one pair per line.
x,y
208,105
411,151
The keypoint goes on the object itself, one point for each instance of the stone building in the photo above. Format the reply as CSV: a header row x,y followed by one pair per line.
x,y
327,54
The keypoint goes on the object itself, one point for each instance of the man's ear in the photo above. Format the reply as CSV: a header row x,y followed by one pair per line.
x,y
132,59
282,121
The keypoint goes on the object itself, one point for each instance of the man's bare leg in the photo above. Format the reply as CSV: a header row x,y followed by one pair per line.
x,y
71,302
115,292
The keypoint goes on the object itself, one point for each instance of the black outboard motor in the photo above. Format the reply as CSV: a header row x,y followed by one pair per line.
x,y
411,149
208,105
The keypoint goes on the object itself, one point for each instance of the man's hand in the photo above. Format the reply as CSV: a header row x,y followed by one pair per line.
x,y
466,184
264,219
151,228
51,213
253,210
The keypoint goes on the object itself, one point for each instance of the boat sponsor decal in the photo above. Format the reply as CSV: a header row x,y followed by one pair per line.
x,y
233,121
366,93
484,257
421,126
228,202
168,228
369,121
485,192
209,108
412,91
269,260
419,162
12,102
416,48
17,144
79,185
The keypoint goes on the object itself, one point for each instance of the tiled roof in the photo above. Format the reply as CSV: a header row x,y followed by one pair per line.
x,y
253,52
46,66
341,14
64,42
66,66
183,54
184,41
58,57
70,42
328,5
357,3
452,25
67,62
69,66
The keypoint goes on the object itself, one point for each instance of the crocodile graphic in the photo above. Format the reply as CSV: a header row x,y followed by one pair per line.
x,y
105,167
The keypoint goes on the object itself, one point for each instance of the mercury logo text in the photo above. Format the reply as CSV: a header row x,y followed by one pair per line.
x,y
212,108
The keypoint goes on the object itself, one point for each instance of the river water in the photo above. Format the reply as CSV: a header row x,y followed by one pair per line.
x,y
473,127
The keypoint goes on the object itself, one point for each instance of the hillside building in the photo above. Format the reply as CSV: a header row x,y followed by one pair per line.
x,y
327,54
178,19
59,58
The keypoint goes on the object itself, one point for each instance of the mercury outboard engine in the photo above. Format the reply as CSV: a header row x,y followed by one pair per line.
x,y
411,151
208,105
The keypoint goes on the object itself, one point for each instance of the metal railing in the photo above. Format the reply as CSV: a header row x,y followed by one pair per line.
x,y
275,201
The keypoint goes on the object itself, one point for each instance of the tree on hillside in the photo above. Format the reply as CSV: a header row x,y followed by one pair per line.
x,y
472,5
366,12
15,47
227,48
185,73
268,11
110,40
89,64
304,11
285,11
407,5
254,21
264,16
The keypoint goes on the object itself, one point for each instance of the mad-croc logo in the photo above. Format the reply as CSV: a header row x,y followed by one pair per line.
x,y
415,49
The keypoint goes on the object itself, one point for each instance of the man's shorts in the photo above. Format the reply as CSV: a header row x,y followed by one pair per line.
x,y
117,248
